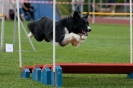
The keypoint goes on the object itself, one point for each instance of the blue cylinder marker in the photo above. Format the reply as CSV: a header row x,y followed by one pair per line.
x,y
57,80
25,73
130,75
46,76
36,75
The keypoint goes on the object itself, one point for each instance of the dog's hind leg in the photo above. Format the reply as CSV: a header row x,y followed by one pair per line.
x,y
30,35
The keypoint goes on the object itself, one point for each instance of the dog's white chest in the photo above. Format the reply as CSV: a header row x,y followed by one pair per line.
x,y
66,31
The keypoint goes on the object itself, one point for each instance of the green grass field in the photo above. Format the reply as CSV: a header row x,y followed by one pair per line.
x,y
107,43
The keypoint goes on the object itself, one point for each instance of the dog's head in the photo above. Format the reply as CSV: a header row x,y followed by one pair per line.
x,y
81,24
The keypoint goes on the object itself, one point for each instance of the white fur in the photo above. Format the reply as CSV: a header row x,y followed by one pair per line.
x,y
83,37
89,27
67,36
30,35
66,31
70,36
56,43
75,36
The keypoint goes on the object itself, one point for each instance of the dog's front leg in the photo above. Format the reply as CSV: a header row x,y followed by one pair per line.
x,y
67,39
76,39
75,36
71,38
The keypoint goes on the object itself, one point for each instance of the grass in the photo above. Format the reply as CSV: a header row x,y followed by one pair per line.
x,y
106,44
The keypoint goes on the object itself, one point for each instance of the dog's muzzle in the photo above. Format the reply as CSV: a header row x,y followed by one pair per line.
x,y
89,29
86,32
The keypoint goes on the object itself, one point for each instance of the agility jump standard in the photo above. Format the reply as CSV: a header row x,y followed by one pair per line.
x,y
91,68
43,73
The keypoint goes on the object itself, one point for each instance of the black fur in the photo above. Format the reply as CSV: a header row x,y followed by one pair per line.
x,y
43,28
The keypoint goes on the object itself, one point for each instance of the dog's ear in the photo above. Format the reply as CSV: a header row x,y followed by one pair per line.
x,y
86,15
76,15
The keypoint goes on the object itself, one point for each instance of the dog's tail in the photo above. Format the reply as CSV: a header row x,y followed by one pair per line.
x,y
36,30
30,35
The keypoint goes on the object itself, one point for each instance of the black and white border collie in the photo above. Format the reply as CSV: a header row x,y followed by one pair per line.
x,y
73,29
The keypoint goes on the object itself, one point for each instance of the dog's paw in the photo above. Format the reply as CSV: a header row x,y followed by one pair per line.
x,y
76,43
83,37
30,35
67,39
75,36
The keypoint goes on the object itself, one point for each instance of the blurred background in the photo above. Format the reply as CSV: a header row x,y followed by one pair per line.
x,y
66,7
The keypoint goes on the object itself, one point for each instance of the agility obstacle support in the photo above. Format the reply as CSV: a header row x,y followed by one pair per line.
x,y
108,13
44,73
